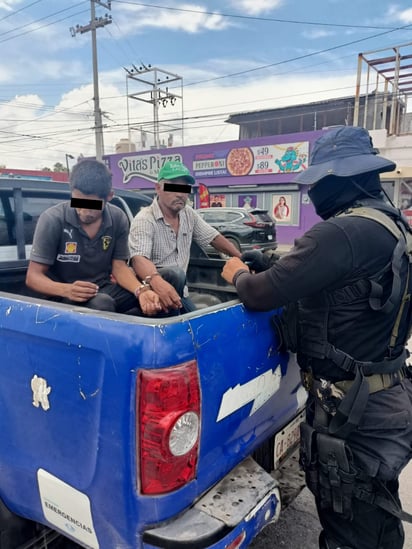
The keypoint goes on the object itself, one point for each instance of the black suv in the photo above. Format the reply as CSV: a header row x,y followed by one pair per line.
x,y
247,229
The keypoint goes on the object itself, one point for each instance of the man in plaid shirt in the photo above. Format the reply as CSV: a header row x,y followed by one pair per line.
x,y
161,236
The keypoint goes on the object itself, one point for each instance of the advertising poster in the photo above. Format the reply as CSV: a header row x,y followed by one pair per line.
x,y
247,201
217,201
204,196
282,207
257,160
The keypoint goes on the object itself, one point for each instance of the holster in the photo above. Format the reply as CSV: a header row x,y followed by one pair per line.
x,y
337,474
329,470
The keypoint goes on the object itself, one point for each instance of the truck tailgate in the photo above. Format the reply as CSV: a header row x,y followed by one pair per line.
x,y
67,399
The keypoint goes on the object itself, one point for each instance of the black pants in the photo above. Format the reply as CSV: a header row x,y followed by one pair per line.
x,y
370,527
381,446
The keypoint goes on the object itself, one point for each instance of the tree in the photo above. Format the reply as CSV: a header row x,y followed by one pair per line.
x,y
58,167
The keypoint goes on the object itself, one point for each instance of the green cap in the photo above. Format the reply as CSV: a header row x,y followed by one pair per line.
x,y
174,170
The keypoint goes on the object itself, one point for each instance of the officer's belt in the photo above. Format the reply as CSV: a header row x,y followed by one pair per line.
x,y
376,382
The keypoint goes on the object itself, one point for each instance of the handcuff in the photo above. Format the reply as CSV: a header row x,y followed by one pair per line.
x,y
145,285
147,279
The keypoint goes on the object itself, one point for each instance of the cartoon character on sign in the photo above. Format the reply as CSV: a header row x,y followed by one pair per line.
x,y
289,162
40,392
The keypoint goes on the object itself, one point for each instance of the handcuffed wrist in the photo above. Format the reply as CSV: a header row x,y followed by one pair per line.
x,y
140,289
148,279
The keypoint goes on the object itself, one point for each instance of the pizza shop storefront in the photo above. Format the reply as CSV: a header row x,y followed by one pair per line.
x,y
250,173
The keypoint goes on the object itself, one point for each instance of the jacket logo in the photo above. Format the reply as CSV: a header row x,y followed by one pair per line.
x,y
106,240
70,248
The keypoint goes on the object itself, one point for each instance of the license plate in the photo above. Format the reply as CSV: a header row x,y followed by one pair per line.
x,y
287,438
270,237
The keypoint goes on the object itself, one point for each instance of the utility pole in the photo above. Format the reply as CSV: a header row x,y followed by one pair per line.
x,y
153,87
95,23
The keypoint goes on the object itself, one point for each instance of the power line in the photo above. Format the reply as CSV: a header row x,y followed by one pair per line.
x,y
298,58
253,18
38,21
15,12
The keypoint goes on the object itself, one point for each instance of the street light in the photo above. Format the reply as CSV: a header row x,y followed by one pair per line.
x,y
67,162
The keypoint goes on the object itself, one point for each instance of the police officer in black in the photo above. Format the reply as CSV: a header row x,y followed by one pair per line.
x,y
345,292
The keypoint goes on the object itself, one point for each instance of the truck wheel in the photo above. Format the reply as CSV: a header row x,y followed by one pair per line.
x,y
14,530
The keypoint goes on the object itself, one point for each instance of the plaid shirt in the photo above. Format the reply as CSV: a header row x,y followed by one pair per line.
x,y
150,236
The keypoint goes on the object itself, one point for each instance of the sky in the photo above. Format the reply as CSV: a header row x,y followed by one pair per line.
x,y
208,58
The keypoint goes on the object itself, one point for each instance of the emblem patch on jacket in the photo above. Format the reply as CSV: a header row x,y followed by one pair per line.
x,y
106,240
70,248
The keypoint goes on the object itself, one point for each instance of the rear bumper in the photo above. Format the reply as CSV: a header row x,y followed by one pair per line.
x,y
241,504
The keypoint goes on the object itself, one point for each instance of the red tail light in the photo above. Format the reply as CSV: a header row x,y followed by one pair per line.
x,y
168,427
255,223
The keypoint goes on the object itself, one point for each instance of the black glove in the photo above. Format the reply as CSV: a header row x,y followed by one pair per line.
x,y
256,261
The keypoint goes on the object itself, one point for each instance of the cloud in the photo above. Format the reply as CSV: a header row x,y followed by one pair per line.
x,y
193,20
256,7
395,13
314,34
8,5
405,16
33,135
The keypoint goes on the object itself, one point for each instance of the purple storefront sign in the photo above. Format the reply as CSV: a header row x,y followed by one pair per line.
x,y
259,163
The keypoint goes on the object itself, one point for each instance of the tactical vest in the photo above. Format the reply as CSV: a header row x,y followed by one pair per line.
x,y
312,314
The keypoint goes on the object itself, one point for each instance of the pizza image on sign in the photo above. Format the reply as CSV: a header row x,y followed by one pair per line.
x,y
239,161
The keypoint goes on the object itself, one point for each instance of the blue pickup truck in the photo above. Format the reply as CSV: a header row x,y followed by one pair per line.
x,y
129,432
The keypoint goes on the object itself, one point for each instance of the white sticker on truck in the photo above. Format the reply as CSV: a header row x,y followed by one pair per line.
x,y
259,390
40,392
66,508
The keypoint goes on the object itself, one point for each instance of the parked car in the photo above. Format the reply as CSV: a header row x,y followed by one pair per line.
x,y
247,229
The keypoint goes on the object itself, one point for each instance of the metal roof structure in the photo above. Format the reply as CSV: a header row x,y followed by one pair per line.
x,y
387,74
